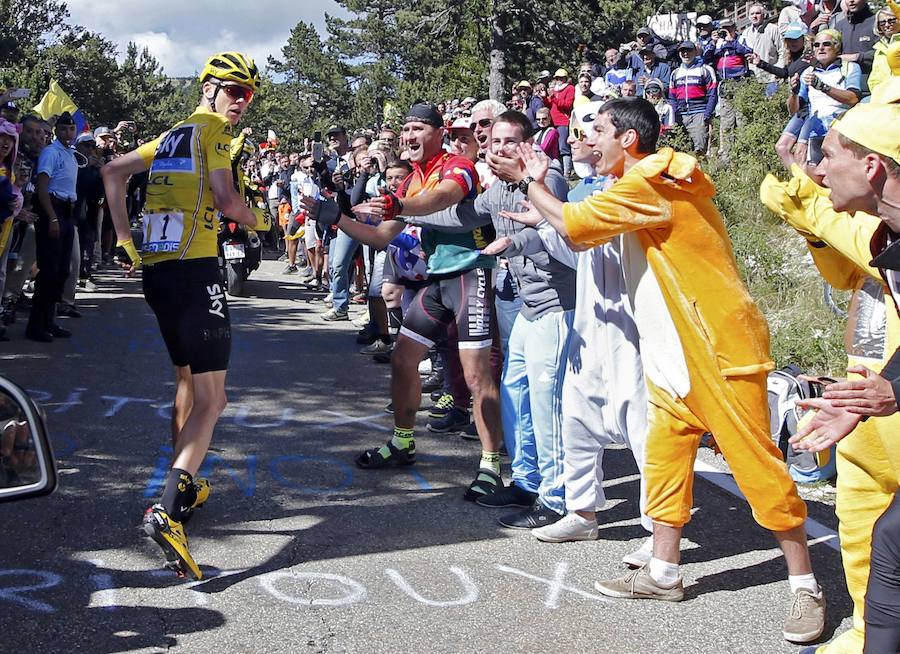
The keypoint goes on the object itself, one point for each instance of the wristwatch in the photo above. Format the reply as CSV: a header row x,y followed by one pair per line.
x,y
523,185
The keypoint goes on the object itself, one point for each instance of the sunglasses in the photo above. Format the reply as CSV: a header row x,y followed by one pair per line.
x,y
887,21
823,44
484,123
237,92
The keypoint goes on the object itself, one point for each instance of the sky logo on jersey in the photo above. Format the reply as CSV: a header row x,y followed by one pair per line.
x,y
175,153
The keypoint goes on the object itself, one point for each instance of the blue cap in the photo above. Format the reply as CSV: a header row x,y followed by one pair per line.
x,y
795,31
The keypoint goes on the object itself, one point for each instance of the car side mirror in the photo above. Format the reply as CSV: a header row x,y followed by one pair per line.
x,y
27,466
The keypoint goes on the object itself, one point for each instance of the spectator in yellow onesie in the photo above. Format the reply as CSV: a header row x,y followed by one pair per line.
x,y
868,466
861,166
704,373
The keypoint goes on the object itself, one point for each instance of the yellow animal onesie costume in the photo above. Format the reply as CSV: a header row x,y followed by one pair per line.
x,y
868,466
703,342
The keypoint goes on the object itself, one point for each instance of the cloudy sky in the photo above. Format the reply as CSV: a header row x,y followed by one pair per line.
x,y
181,34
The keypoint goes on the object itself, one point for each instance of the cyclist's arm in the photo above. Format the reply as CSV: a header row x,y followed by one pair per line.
x,y
227,199
447,193
115,182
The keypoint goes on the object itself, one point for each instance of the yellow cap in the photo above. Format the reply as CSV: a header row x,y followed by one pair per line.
x,y
561,72
857,125
524,84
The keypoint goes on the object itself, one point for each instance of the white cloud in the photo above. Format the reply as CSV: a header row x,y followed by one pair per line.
x,y
182,34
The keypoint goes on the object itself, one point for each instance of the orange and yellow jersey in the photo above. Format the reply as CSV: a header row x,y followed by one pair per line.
x,y
180,217
448,253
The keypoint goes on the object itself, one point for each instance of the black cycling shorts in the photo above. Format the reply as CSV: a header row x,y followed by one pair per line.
x,y
188,298
466,299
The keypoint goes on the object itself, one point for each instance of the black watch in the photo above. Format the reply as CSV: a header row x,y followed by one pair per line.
x,y
523,185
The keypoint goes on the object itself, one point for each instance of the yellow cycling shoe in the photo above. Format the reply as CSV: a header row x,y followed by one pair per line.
x,y
202,488
169,535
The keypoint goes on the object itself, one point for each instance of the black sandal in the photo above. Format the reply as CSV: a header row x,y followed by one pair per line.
x,y
487,482
373,459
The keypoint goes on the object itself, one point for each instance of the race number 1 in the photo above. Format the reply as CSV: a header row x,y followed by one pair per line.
x,y
162,231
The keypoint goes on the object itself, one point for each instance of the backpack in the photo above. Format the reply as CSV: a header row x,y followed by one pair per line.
x,y
784,389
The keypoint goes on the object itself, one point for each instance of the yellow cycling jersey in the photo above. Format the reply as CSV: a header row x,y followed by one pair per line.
x,y
180,218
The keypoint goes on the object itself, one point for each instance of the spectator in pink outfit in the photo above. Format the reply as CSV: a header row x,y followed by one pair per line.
x,y
561,100
547,136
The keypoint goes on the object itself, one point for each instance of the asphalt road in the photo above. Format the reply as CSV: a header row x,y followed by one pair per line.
x,y
302,551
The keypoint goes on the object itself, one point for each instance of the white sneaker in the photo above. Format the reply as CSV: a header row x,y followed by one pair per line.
x,y
641,556
571,527
425,367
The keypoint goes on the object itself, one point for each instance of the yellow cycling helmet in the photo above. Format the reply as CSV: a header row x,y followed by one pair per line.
x,y
232,67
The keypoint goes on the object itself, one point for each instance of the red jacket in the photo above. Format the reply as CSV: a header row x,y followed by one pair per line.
x,y
561,105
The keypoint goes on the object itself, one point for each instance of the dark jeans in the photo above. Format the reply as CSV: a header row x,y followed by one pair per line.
x,y
87,239
53,259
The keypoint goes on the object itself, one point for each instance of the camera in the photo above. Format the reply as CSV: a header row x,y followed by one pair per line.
x,y
722,34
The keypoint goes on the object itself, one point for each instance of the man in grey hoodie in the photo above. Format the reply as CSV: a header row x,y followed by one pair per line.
x,y
534,364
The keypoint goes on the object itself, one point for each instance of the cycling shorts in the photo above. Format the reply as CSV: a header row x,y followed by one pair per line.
x,y
188,298
466,298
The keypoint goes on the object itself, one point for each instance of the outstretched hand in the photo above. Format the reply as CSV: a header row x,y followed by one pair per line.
x,y
872,395
823,427
536,162
325,212
368,213
497,247
530,216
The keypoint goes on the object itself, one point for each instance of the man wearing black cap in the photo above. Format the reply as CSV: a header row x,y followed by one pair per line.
x,y
336,138
10,112
57,174
459,292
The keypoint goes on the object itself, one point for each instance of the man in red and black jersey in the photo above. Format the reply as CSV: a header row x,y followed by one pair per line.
x,y
459,291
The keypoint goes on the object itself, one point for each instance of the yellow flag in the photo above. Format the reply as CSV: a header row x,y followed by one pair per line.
x,y
54,102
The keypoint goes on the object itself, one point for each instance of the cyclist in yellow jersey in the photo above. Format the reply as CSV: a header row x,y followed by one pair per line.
x,y
190,184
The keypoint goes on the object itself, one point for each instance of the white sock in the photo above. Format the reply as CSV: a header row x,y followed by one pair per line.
x,y
664,573
804,581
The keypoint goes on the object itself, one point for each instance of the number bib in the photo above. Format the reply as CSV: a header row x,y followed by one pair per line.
x,y
162,231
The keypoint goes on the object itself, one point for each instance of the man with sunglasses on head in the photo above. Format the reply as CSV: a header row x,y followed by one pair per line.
x,y
191,186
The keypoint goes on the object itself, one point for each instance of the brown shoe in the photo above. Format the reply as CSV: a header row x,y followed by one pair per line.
x,y
638,584
806,620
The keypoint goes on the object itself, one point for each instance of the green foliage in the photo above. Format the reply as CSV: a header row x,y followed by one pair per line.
x,y
39,44
772,257
146,96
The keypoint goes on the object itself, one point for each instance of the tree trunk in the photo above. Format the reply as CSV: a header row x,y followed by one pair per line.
x,y
497,77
